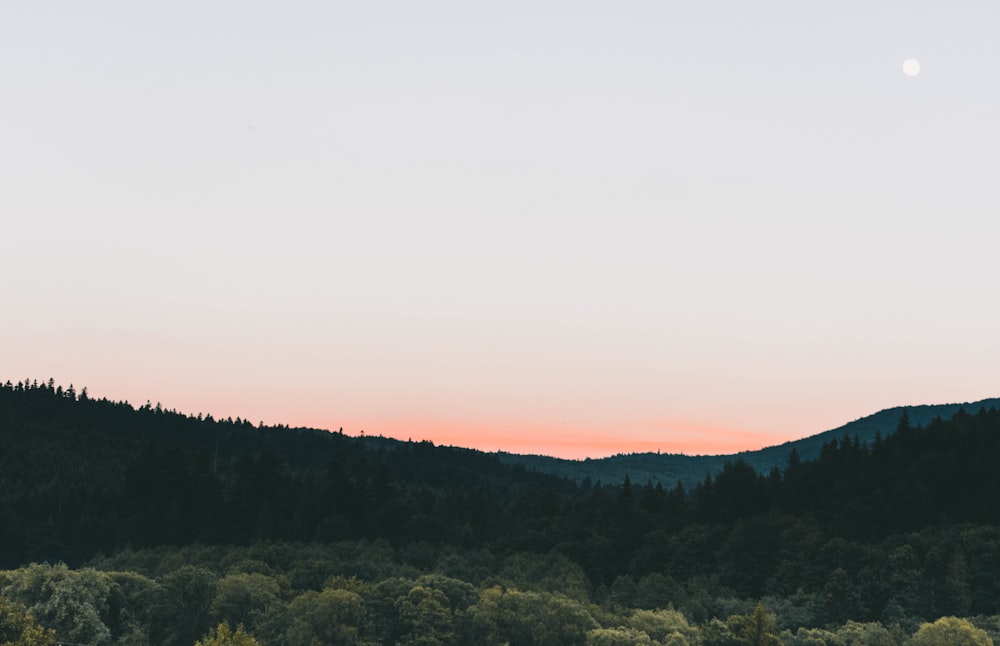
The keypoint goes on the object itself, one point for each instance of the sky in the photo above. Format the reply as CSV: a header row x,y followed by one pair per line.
x,y
569,228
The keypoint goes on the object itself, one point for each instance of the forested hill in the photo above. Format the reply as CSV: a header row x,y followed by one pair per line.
x,y
81,476
671,468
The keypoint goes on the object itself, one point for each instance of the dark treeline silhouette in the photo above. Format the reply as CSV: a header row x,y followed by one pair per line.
x,y
669,468
908,525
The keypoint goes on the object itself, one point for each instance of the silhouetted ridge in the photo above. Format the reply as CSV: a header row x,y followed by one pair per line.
x,y
670,468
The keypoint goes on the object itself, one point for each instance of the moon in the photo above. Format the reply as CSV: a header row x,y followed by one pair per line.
x,y
911,67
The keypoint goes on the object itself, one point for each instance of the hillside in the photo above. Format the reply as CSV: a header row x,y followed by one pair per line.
x,y
902,528
668,469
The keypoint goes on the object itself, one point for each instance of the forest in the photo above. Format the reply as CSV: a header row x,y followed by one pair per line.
x,y
125,525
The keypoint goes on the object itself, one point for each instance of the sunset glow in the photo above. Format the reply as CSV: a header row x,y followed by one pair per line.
x,y
575,443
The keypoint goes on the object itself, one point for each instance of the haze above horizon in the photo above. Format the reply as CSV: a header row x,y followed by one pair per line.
x,y
546,227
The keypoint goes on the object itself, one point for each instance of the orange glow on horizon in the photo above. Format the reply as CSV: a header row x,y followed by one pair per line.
x,y
572,443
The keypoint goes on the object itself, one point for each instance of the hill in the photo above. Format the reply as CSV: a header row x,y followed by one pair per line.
x,y
903,526
668,469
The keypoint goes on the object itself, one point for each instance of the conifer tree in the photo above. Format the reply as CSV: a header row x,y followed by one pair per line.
x,y
760,628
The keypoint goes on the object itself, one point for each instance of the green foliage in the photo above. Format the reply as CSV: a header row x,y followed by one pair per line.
x,y
794,610
185,608
246,599
460,594
850,634
546,572
720,633
425,615
666,626
329,618
503,616
759,628
815,637
309,537
223,635
950,631
623,592
432,609
657,591
840,600
72,602
854,633
134,602
617,637
18,628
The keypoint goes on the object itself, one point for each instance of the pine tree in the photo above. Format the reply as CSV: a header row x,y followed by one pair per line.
x,y
760,628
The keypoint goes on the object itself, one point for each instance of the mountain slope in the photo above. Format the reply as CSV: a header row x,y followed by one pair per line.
x,y
668,469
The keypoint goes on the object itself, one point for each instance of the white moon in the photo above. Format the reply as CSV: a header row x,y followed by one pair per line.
x,y
911,67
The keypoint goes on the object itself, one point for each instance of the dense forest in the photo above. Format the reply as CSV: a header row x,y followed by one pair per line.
x,y
670,468
147,526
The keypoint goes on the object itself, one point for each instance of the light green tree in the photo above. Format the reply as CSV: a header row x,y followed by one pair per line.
x,y
854,633
666,626
18,628
223,635
328,618
620,636
760,628
515,617
426,617
815,637
716,632
460,594
950,631
72,602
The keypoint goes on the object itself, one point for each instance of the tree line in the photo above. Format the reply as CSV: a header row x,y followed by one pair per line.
x,y
899,531
370,593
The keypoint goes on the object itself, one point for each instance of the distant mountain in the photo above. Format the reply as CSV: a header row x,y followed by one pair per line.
x,y
670,468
